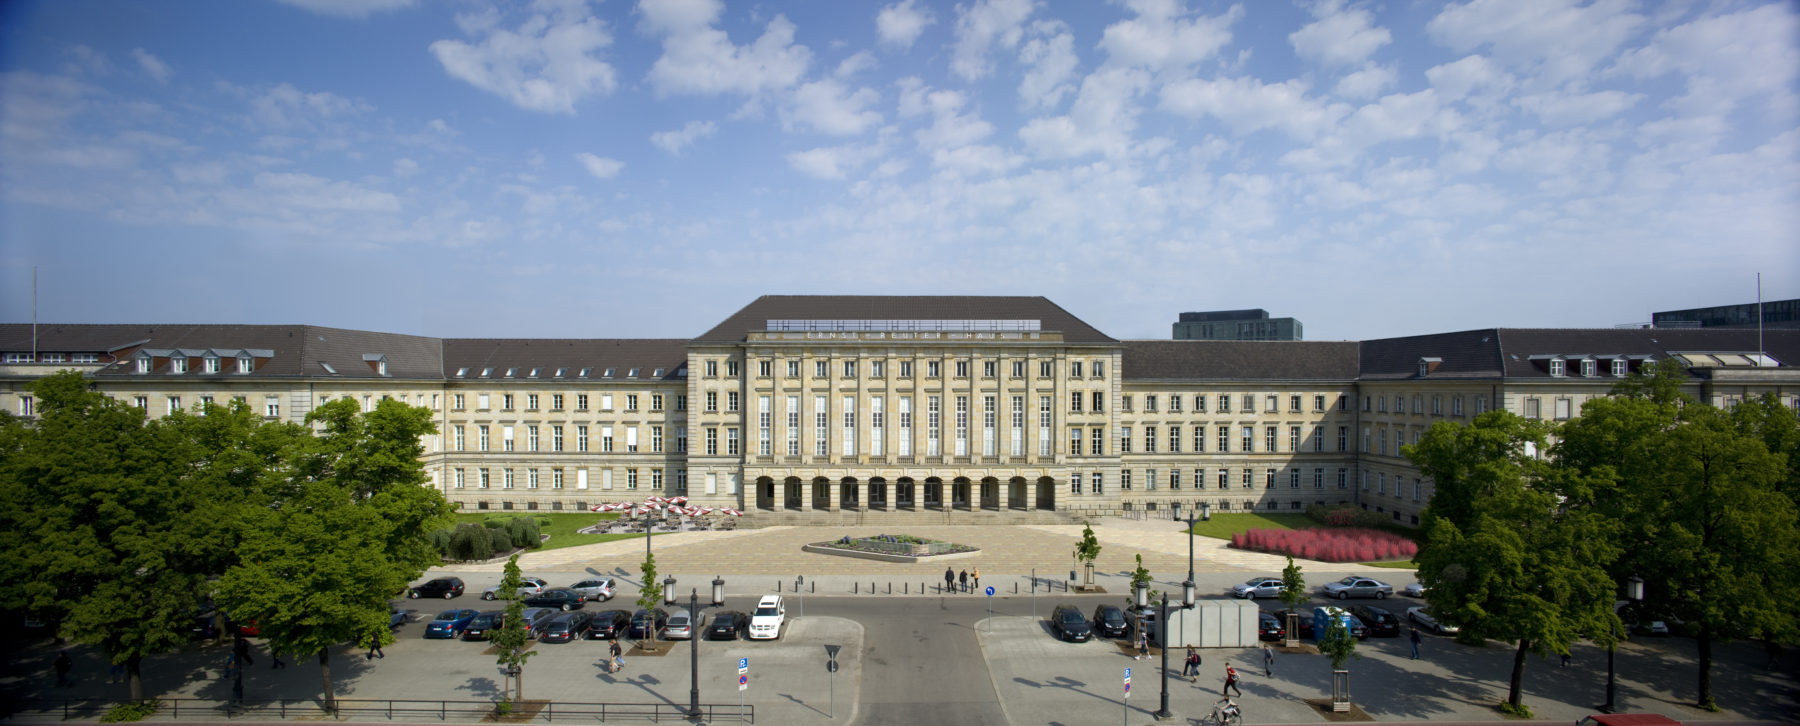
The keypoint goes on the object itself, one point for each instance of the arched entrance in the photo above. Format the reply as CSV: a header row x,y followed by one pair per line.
x,y
1046,493
1015,493
959,493
903,493
878,493
765,493
793,496
934,493
990,493
847,494
821,494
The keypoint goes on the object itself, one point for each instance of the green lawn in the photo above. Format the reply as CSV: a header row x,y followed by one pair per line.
x,y
1396,564
561,528
1222,526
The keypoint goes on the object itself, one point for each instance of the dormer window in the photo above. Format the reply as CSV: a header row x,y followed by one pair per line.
x,y
178,364
381,367
1619,367
328,368
607,374
532,374
559,373
656,373
211,363
584,372
1587,368
632,374
461,372
246,364
509,372
143,363
1557,367
486,371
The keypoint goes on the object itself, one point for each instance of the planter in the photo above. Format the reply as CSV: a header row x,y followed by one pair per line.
x,y
1340,691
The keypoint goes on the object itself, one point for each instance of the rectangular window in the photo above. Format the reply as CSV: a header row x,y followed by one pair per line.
x,y
878,369
1074,442
1174,478
765,425
849,369
1018,369
1531,408
1149,440
988,424
765,368
793,368
1149,404
506,479
506,401
1249,477
1294,438
731,369
1099,369
484,478
849,430
1293,478
681,440
481,438
631,478
905,369
1224,439
506,438
1318,404
606,402
531,437
1125,480
656,480
681,402
531,401
656,439
962,369
1075,369
581,402
877,422
1249,439
1125,403
1556,368
1075,402
1175,404
1097,484
712,369
1199,403
458,400
821,427
962,425
1343,478
556,438
271,406
819,369
1046,369
656,402
1199,439
1224,403
1269,479
459,479
906,425
556,401
1174,435
1075,480
1618,368
174,404
1294,403
1018,425
1318,478
606,439
712,400
731,401
556,478
1098,442
712,441
1563,405
1125,440
1343,439
1044,422
1437,405
793,424
731,442
1250,403
1099,401
1224,478
990,369
581,437
931,369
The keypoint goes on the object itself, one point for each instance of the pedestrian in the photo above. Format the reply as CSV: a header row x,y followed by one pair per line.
x,y
1191,667
1414,637
949,579
1268,661
976,576
963,578
1231,681
617,662
62,665
375,646
1143,645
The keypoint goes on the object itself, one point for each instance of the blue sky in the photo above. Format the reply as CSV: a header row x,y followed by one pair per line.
x,y
642,169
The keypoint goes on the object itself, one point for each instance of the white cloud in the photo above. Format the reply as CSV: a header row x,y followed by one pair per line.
x,y
832,162
1161,38
700,59
1247,105
857,62
1462,77
1366,83
152,65
830,107
1726,58
287,108
349,8
950,127
405,167
674,141
1339,37
87,60
1556,40
982,25
600,166
308,192
545,64
1562,108
1050,55
901,23
976,160
1101,120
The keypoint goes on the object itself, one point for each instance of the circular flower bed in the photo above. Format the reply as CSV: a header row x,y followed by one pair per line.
x,y
896,544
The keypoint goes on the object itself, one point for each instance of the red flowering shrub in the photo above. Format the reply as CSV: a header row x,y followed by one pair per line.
x,y
1328,545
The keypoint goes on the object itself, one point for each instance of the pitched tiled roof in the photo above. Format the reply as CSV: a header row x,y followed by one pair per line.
x,y
647,355
1464,354
1239,360
296,349
756,315
1522,352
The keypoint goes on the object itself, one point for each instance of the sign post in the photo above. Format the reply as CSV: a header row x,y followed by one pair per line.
x,y
1124,703
743,682
990,596
831,652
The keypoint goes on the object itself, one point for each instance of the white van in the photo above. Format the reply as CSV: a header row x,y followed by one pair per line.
x,y
766,621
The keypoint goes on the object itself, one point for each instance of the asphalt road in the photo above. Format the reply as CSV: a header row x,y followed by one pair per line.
x,y
929,669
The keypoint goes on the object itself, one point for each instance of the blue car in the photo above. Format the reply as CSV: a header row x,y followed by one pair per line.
x,y
449,623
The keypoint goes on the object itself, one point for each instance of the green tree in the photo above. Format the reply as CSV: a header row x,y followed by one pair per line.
x,y
1088,550
1293,594
1337,643
650,595
1513,550
1141,575
96,525
509,639
1704,518
343,531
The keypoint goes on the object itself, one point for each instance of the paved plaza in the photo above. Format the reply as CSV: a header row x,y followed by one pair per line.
x,y
937,658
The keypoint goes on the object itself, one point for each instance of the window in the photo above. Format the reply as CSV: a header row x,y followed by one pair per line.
x,y
1224,439
821,427
1018,426
731,441
712,441
1075,442
271,407
506,479
1149,440
712,400
1045,369
556,401
1380,404
681,440
211,363
1074,402
581,402
245,364
1249,439
1149,404
849,435
990,369
681,402
1456,405
1199,439
1224,403
1293,478
1249,477
174,404
1124,440
1097,484
25,406
1018,369
581,437
506,401
962,369
531,438
1562,408
1480,405
1099,401
1531,407
531,478
1318,440
1418,404
1224,478
905,369
793,425
531,401
877,421
1174,435
849,369
178,364
933,424
712,369
906,426
606,402
1250,403
793,368
1125,480
1199,403
1587,369
556,478
1175,404
731,400
962,425
656,402
459,479
989,416
1618,368
1075,369
506,438
143,364
878,368
1099,442
731,369
606,439
656,439
765,368
1556,367
631,478
458,400
1318,478
1343,438
631,402
819,370
1074,479
1269,439
556,438
1294,404
484,478
1437,405
931,369
1044,420
1125,403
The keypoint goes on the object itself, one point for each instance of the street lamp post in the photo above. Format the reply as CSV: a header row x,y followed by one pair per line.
x,y
1163,713
694,651
1634,592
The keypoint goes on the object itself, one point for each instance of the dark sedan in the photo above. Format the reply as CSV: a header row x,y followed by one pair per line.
x,y
644,622
1381,623
564,627
561,598
444,587
484,625
728,625
1109,622
609,624
1303,624
449,623
1070,624
1269,627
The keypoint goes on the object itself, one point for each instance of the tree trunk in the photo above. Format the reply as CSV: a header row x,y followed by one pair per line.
x,y
518,684
1515,694
325,679
135,677
1706,657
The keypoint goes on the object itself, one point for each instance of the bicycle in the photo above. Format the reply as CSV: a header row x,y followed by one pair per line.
x,y
1225,715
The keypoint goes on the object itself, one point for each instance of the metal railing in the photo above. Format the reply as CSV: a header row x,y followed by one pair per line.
x,y
550,711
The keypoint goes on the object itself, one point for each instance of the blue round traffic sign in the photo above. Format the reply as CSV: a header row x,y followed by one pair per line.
x,y
990,590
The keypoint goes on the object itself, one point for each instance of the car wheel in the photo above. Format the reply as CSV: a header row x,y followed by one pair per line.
x,y
1343,595
448,594
1380,596
412,595
487,596
565,607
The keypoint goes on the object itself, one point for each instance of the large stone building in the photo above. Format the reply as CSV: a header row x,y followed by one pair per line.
x,y
837,408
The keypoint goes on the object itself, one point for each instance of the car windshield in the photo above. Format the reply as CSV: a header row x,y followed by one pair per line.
x,y
678,619
767,610
1070,616
1347,581
1254,583
1112,616
449,615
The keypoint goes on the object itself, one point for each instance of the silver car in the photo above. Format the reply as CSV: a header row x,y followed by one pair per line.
x,y
1423,616
1258,587
1354,586
1416,589
528,586
680,626
595,589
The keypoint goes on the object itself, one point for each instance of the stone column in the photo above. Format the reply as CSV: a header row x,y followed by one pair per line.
x,y
831,497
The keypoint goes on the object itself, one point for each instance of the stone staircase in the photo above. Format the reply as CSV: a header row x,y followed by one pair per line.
x,y
905,517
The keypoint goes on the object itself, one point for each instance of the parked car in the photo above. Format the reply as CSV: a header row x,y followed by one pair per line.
x,y
1654,627
728,625
1070,625
1304,624
1109,622
1422,615
1382,622
449,623
561,598
1358,629
768,618
1269,627
645,622
680,626
444,587
484,625
534,619
609,624
595,589
1354,586
1415,589
397,616
528,586
1257,587
564,627
1145,618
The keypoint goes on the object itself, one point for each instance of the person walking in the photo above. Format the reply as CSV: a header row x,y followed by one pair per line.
x,y
949,579
1231,681
1143,643
616,662
62,665
375,646
1414,637
963,581
1190,667
976,576
1268,661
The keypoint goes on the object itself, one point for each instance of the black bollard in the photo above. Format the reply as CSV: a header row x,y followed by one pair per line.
x,y
854,586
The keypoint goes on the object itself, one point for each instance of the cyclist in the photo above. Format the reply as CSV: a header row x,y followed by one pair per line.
x,y
1226,710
